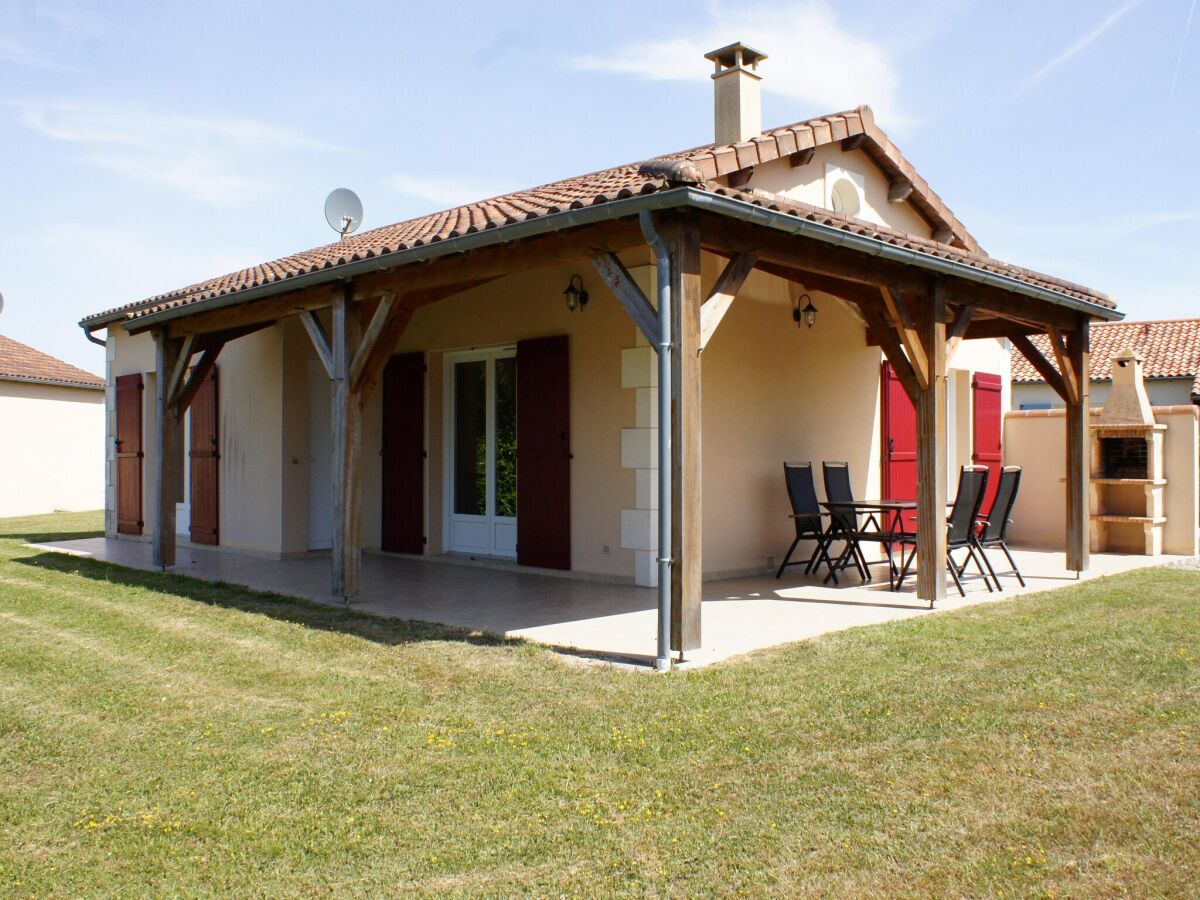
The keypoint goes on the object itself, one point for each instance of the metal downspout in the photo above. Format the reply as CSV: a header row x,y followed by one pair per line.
x,y
663,268
87,333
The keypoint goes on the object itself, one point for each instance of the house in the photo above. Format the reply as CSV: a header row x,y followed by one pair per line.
x,y
1170,347
531,377
52,418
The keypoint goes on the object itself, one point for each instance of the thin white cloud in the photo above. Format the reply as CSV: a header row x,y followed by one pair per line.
x,y
1080,44
221,161
812,57
1182,44
443,191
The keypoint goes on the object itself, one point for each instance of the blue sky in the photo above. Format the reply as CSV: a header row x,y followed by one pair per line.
x,y
147,145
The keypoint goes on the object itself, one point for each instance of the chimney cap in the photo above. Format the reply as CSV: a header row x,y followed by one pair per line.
x,y
736,55
1121,357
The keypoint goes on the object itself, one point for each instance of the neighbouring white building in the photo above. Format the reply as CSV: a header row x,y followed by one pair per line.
x,y
52,419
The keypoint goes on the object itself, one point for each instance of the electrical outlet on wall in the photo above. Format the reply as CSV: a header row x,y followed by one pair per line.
x,y
770,563
607,548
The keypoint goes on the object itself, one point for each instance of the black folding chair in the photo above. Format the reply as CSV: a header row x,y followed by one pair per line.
x,y
992,531
845,525
960,528
806,516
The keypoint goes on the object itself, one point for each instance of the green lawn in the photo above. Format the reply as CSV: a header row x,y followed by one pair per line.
x,y
166,736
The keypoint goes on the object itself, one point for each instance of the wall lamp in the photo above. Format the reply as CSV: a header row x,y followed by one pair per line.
x,y
807,315
576,294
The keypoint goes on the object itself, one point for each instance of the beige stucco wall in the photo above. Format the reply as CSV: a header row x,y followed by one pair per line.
x,y
1161,391
807,185
1036,441
52,455
250,417
251,410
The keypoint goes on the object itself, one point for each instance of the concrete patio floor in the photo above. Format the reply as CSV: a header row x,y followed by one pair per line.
x,y
594,619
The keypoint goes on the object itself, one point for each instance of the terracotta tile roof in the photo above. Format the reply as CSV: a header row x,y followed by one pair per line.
x,y
19,362
705,164
1171,348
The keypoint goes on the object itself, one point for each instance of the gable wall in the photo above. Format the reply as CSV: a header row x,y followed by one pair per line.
x,y
806,184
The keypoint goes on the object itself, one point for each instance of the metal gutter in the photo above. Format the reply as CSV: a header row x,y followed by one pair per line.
x,y
671,198
662,263
47,382
839,237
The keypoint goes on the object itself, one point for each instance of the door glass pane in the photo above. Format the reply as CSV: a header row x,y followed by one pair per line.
x,y
470,438
506,436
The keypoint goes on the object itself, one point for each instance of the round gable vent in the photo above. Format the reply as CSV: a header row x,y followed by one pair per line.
x,y
843,197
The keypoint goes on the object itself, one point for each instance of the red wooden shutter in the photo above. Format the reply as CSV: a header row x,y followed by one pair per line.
x,y
205,468
129,454
899,443
987,440
543,454
403,501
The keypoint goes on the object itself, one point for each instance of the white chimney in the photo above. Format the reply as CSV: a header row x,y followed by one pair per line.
x,y
737,95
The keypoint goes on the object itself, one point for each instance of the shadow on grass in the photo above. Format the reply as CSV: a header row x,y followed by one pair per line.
x,y
45,537
293,610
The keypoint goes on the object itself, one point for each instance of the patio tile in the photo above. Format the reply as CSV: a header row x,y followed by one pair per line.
x,y
595,619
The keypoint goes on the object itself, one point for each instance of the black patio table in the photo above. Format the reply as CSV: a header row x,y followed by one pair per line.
x,y
886,532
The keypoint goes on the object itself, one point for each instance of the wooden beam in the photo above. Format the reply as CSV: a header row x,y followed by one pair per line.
x,y
181,365
892,350
1059,346
958,328
943,235
931,451
736,271
320,340
166,471
854,141
899,190
195,380
347,452
621,283
682,238
801,157
366,346
903,323
506,259
397,323
1044,367
456,269
255,312
1078,449
741,177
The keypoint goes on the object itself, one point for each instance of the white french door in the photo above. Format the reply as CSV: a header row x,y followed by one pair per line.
x,y
481,470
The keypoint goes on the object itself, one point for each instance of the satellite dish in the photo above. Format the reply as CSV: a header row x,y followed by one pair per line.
x,y
343,211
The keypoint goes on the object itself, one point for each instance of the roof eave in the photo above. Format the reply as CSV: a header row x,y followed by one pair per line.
x,y
671,198
54,382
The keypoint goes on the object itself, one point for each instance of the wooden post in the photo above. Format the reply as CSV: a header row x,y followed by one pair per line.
x,y
347,449
931,450
682,237
1078,465
167,355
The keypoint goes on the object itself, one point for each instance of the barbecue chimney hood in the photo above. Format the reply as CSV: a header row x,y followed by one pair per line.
x,y
1127,403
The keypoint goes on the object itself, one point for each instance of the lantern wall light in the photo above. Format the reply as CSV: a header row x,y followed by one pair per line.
x,y
576,294
807,314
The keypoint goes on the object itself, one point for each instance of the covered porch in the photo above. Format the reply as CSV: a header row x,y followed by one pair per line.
x,y
595,620
915,299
